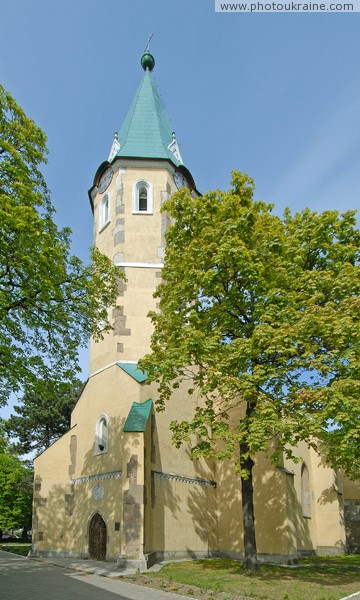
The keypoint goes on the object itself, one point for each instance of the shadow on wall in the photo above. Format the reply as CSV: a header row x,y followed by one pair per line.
x,y
162,504
281,528
202,506
202,518
300,521
180,515
100,485
217,517
219,521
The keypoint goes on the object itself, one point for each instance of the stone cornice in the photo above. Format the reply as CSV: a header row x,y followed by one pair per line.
x,y
99,477
185,479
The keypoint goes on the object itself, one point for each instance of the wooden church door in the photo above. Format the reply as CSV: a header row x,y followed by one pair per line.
x,y
97,538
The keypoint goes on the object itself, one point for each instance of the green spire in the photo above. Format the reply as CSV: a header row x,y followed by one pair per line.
x,y
147,131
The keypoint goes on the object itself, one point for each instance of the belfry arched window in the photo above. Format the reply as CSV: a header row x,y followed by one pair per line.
x,y
142,197
104,211
102,435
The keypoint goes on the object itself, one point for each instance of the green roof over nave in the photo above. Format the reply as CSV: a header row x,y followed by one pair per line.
x,y
147,131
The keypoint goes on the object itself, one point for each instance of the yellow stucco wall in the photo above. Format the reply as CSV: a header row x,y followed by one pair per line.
x,y
52,488
323,530
177,508
152,497
181,502
67,499
137,239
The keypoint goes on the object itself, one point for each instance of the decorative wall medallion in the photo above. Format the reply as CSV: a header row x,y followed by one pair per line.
x,y
98,492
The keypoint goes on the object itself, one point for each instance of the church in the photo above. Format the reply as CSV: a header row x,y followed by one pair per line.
x,y
114,487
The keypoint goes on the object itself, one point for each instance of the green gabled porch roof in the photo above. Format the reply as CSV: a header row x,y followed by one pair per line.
x,y
147,131
138,416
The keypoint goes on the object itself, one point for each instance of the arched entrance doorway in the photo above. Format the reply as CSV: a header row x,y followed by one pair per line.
x,y
97,538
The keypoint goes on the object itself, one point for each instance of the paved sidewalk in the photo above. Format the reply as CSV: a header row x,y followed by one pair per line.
x,y
108,572
95,567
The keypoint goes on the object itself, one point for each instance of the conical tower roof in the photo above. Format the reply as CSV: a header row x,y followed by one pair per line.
x,y
147,131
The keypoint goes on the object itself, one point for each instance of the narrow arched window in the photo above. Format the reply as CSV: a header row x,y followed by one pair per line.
x,y
101,435
305,492
104,211
142,197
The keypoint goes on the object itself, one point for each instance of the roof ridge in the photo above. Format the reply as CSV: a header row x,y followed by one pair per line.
x,y
156,92
133,106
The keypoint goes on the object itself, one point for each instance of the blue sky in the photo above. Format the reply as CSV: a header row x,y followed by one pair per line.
x,y
273,95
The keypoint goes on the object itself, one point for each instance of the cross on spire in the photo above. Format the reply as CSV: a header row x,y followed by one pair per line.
x,y
147,47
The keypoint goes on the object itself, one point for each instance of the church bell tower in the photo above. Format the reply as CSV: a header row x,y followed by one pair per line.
x,y
143,169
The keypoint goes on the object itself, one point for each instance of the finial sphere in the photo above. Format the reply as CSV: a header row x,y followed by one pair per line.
x,y
147,61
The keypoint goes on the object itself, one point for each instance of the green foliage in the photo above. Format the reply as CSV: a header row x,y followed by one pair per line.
x,y
50,302
44,414
261,314
20,549
16,491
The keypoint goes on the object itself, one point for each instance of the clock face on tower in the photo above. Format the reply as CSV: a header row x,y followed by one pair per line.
x,y
180,180
105,180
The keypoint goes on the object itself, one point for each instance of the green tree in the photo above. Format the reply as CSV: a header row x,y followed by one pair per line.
x,y
50,302
43,415
16,490
262,313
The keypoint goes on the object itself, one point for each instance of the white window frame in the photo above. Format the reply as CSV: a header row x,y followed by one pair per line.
x,y
104,211
101,435
136,197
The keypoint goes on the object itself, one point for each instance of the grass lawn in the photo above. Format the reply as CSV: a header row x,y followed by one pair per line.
x,y
16,548
315,578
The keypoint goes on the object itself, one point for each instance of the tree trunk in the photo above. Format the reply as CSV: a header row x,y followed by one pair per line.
x,y
247,493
